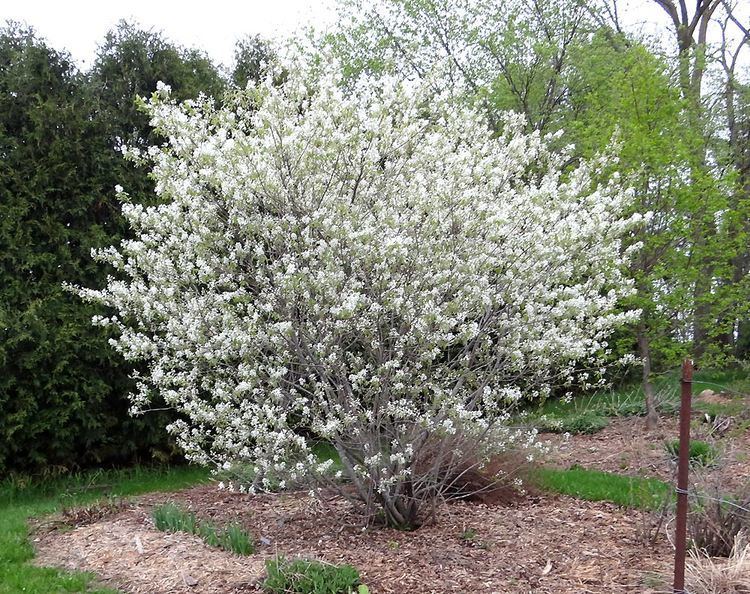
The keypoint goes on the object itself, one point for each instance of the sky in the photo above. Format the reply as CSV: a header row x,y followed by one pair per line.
x,y
215,25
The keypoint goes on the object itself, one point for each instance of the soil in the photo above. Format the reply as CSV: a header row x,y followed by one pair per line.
x,y
542,544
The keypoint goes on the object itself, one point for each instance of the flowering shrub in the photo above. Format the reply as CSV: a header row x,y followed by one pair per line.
x,y
373,268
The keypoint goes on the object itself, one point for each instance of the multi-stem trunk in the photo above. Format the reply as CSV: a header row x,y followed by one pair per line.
x,y
397,504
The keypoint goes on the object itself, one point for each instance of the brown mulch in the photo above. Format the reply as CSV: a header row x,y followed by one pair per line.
x,y
626,448
541,545
623,446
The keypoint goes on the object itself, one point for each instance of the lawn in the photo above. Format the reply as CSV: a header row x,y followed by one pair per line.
x,y
21,500
595,485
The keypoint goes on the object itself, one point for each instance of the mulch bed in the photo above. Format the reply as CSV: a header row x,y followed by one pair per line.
x,y
626,448
541,545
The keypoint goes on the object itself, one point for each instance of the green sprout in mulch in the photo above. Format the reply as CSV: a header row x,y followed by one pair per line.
x,y
169,517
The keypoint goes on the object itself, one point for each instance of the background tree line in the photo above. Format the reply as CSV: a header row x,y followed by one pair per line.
x,y
63,390
682,119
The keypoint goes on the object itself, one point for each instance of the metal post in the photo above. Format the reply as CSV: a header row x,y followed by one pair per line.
x,y
682,478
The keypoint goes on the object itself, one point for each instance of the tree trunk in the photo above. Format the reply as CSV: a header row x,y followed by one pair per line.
x,y
742,343
644,349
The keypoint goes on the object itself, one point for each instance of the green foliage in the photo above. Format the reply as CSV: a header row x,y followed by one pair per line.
x,y
169,517
234,538
700,453
22,498
617,402
207,531
310,577
594,485
627,400
631,92
128,65
574,423
62,388
252,56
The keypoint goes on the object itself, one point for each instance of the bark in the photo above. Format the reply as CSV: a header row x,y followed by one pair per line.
x,y
690,33
644,349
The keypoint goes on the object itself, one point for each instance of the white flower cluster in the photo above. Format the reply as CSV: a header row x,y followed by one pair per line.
x,y
372,267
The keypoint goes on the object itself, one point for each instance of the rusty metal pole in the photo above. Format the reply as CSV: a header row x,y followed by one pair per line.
x,y
682,478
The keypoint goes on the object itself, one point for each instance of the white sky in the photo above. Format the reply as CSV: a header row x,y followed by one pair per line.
x,y
215,25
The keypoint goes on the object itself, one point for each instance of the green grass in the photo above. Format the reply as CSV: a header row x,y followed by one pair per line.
x,y
172,518
169,517
310,577
234,539
628,399
595,485
21,499
574,422
208,533
700,453
587,413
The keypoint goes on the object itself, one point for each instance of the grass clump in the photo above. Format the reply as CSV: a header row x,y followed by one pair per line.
x,y
209,534
707,575
169,517
595,485
302,576
574,423
235,539
716,521
701,453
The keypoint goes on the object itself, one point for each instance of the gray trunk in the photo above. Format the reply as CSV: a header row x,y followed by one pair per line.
x,y
644,349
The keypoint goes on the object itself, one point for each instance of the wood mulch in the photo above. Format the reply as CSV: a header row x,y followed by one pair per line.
x,y
626,448
539,545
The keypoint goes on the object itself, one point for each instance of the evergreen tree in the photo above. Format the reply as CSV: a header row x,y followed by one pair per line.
x,y
62,390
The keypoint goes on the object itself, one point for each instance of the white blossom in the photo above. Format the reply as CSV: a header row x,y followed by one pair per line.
x,y
358,265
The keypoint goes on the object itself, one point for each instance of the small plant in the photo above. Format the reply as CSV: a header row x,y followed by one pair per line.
x,y
582,422
94,512
233,538
171,518
471,537
209,534
715,521
303,576
700,454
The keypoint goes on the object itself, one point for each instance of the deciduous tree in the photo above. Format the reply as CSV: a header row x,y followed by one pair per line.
x,y
376,269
